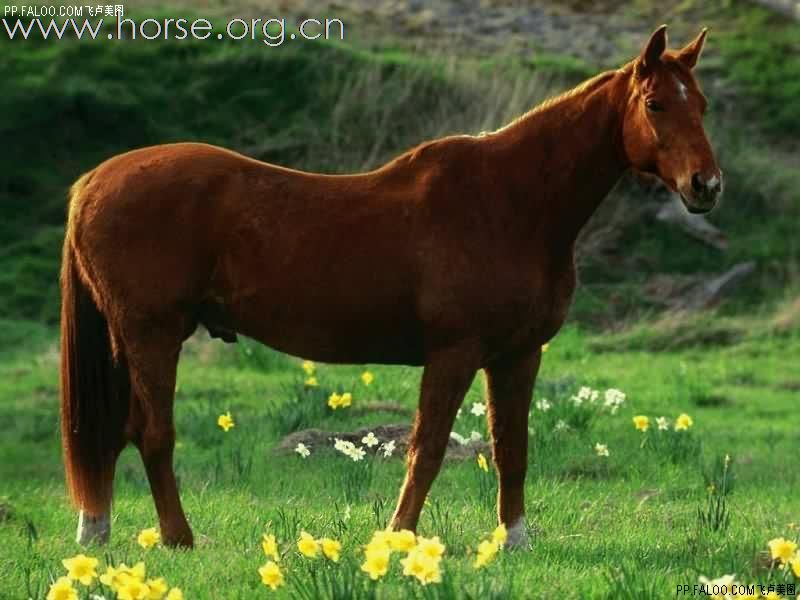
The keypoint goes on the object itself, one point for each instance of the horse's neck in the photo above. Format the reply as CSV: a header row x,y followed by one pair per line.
x,y
562,159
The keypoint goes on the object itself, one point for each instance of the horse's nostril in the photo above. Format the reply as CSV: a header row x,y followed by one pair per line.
x,y
697,183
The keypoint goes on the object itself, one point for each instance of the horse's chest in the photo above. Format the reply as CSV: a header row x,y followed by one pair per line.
x,y
531,309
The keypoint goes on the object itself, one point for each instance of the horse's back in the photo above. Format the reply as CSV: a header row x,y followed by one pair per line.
x,y
297,260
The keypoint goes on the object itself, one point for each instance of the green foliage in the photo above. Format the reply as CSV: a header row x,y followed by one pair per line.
x,y
635,508
68,106
757,50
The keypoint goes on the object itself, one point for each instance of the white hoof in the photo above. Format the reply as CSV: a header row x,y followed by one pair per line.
x,y
93,529
518,535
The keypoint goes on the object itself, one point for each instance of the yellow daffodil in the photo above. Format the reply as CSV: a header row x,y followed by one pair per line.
x,y
367,377
270,546
175,594
109,578
340,400
81,568
157,588
641,422
114,578
133,589
271,575
380,541
402,541
431,547
225,421
307,545
796,564
331,548
683,422
500,534
62,590
423,567
781,549
311,382
486,552
309,367
484,466
148,538
376,560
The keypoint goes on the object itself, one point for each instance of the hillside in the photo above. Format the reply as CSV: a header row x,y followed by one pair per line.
x,y
351,105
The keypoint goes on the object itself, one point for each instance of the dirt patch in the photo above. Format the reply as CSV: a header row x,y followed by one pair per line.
x,y
318,438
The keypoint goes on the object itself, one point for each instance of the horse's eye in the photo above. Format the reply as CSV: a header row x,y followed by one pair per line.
x,y
653,105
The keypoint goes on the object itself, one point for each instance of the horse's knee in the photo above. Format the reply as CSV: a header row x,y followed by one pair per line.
x,y
157,440
426,456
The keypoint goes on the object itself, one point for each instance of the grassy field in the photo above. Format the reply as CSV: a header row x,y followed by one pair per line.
x,y
660,510
623,526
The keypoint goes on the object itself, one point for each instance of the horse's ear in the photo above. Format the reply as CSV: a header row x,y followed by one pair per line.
x,y
689,55
652,51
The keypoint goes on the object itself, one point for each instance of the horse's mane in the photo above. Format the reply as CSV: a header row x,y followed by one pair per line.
x,y
587,86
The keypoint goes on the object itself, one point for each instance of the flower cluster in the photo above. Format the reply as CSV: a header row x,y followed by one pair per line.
x,y
682,423
349,449
475,436
612,399
340,400
226,421
310,547
786,553
303,450
126,583
310,369
357,453
786,556
483,464
148,538
422,560
488,549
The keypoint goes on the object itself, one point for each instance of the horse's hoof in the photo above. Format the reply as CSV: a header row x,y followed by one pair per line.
x,y
184,540
518,536
95,530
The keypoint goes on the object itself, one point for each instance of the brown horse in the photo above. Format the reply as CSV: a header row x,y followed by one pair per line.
x,y
457,255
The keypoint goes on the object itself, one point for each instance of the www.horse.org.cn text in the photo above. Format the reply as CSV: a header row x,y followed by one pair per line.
x,y
47,23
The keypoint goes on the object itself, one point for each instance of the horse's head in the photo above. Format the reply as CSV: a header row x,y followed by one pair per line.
x,y
663,128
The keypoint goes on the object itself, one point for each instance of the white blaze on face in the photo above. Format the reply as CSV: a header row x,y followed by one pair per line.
x,y
681,88
712,183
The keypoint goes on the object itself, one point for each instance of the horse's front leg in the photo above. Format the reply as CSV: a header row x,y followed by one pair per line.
x,y
447,376
509,385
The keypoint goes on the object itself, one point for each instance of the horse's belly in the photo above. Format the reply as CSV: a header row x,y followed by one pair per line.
x,y
332,332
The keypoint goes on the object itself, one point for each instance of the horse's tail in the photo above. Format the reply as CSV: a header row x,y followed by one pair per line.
x,y
95,385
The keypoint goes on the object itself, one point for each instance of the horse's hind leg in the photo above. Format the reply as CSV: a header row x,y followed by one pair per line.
x,y
446,378
153,361
509,384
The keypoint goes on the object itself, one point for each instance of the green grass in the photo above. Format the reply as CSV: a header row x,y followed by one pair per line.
x,y
631,526
591,519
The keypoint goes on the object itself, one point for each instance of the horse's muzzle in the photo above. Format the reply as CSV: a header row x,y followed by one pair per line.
x,y
702,195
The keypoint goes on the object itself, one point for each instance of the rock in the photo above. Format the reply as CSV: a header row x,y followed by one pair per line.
x,y
695,292
711,291
697,226
399,433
